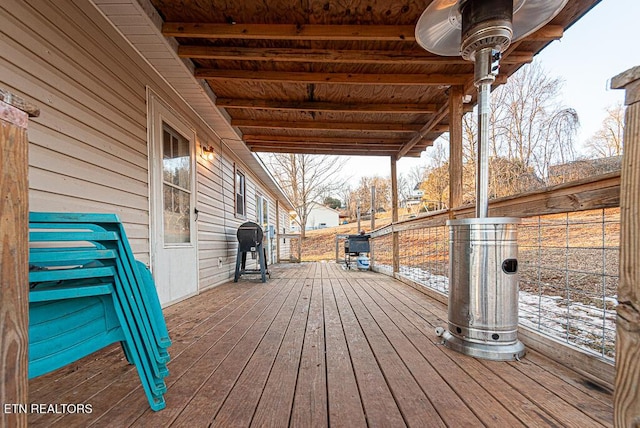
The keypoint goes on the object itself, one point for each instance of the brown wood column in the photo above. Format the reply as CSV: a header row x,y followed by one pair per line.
x,y
627,388
394,214
455,146
14,257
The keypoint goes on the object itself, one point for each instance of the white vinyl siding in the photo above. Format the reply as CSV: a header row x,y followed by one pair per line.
x,y
88,149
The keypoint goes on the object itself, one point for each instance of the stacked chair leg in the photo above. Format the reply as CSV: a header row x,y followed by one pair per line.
x,y
87,291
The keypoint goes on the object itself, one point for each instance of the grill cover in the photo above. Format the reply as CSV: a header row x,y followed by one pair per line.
x,y
249,236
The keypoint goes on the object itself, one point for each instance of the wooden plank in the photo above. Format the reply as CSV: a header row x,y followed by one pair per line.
x,y
546,34
310,400
587,194
14,258
263,145
432,79
552,404
251,138
627,396
411,399
427,317
289,31
427,128
343,56
240,405
118,396
256,104
509,386
395,246
598,370
455,145
202,391
274,407
602,393
327,151
592,407
379,404
450,407
441,368
326,125
345,406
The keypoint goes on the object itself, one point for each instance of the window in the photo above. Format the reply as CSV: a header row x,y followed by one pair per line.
x,y
240,194
176,184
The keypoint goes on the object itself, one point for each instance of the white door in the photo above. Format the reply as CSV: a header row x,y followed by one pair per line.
x,y
172,189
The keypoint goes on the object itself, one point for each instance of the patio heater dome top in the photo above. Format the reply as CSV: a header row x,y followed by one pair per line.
x,y
461,27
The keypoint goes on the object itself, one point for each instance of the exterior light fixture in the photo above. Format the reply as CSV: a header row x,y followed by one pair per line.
x,y
208,152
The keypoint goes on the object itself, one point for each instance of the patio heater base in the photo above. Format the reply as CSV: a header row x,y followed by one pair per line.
x,y
487,351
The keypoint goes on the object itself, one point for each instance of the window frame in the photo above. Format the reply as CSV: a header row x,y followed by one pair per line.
x,y
238,174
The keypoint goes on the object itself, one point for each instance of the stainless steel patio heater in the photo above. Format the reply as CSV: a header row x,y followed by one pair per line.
x,y
483,251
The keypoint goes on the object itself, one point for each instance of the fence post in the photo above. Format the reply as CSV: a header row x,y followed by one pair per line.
x,y
14,256
627,389
394,216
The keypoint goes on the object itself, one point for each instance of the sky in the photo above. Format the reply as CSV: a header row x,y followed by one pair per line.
x,y
601,45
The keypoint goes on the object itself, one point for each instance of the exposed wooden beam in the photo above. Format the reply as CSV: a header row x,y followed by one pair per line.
x,y
429,127
316,139
412,57
336,78
546,34
329,151
336,126
289,31
315,145
253,104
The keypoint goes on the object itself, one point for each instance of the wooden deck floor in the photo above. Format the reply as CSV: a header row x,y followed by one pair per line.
x,y
318,346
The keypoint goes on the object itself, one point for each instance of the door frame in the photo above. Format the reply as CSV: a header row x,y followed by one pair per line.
x,y
159,112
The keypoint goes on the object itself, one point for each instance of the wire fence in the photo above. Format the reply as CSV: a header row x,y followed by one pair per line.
x,y
568,272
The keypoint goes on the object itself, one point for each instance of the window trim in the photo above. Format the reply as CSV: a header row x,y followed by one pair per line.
x,y
238,172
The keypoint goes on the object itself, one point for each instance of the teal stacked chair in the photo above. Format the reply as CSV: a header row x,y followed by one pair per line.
x,y
87,291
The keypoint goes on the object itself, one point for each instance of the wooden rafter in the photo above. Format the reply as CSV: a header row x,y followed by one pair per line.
x,y
417,57
329,125
429,127
254,104
289,31
312,139
315,32
305,144
329,151
437,79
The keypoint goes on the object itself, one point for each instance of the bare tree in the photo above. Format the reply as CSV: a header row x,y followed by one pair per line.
x,y
530,130
435,182
362,194
608,140
304,179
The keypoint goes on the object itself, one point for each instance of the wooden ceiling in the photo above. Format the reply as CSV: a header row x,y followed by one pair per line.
x,y
342,77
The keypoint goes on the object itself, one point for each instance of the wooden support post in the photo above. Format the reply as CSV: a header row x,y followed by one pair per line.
x,y
455,147
394,214
627,388
14,257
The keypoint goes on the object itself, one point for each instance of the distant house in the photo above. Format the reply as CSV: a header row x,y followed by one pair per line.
x,y
583,168
415,198
321,217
